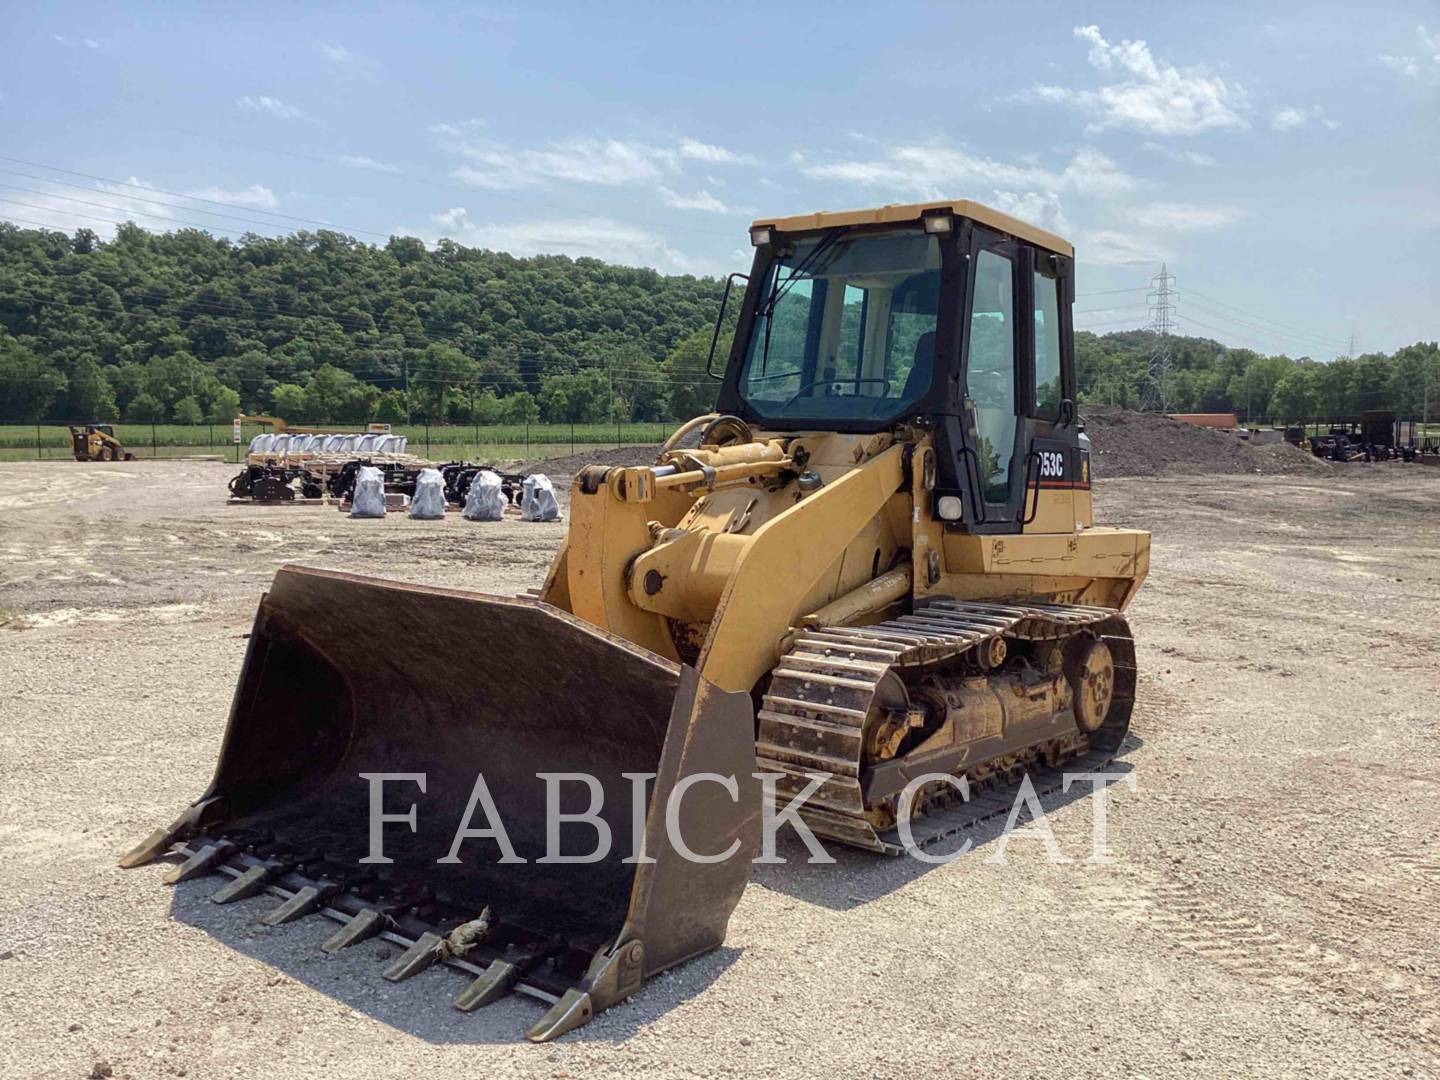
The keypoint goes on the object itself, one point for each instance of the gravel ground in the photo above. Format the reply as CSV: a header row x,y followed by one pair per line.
x,y
1272,908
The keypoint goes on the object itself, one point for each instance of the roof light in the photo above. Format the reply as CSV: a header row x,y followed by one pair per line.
x,y
759,235
938,223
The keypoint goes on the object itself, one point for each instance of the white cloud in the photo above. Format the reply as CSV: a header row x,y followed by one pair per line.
x,y
1184,217
1405,65
1040,208
256,195
939,171
60,210
274,106
338,54
708,152
582,161
1149,95
600,238
104,204
1291,117
1184,157
701,200
1108,247
360,161
71,43
1424,64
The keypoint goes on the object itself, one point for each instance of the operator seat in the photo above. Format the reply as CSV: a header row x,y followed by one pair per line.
x,y
923,367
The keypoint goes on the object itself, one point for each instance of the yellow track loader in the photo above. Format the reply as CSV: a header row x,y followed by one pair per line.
x,y
871,573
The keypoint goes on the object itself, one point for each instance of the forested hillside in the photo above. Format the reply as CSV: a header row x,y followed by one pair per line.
x,y
321,327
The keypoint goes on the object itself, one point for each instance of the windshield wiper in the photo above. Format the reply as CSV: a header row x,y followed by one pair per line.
x,y
804,264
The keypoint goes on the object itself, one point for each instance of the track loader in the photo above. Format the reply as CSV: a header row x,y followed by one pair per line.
x,y
877,573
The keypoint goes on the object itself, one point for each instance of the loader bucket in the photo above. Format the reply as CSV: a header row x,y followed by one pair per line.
x,y
349,678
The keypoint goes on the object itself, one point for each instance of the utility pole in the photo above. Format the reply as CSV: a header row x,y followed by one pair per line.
x,y
405,368
1155,393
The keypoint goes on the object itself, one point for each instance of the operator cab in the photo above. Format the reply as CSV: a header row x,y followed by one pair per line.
x,y
946,316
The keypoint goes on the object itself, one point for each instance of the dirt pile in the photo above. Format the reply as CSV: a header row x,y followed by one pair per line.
x,y
1124,443
1128,443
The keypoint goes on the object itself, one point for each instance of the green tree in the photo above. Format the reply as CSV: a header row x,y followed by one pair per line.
x,y
28,385
582,397
288,401
692,391
90,395
391,408
520,408
145,408
187,411
1293,398
224,406
441,367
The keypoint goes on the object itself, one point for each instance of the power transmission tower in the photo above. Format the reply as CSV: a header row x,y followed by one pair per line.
x,y
1155,393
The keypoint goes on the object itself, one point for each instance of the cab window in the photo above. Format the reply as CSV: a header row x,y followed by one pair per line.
x,y
1048,391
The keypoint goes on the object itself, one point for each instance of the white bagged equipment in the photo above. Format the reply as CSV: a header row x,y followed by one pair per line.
x,y
429,501
538,502
369,498
484,501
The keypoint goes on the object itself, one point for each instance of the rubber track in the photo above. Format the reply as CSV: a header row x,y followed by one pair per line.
x,y
812,717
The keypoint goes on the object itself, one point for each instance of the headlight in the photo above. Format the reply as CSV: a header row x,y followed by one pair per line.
x,y
759,235
949,507
938,223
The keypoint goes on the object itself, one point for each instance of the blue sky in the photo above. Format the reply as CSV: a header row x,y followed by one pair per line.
x,y
1283,159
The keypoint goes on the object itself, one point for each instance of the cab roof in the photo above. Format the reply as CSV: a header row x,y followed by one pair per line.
x,y
897,213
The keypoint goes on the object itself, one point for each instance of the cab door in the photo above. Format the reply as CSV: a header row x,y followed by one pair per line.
x,y
991,364
1051,468
1022,455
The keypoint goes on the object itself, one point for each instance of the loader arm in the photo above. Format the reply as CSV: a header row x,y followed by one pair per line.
x,y
775,580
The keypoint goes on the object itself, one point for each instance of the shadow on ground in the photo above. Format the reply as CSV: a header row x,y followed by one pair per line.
x,y
858,877
422,1006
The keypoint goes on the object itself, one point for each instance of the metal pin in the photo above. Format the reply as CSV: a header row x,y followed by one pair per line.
x,y
427,949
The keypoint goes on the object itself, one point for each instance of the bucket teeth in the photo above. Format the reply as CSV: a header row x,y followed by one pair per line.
x,y
148,850
201,861
494,984
428,948
366,924
573,1010
248,884
306,901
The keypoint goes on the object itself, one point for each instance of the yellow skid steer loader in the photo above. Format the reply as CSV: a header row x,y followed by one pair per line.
x,y
875,576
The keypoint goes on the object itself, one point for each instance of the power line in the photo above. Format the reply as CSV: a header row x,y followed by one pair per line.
x,y
1111,292
112,221
135,213
1257,328
1261,318
175,194
122,195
